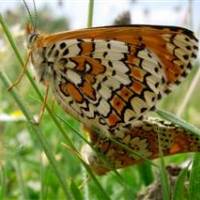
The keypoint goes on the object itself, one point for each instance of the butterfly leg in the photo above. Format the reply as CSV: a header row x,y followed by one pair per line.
x,y
42,109
18,80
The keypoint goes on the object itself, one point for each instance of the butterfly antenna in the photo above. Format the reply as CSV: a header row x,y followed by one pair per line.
x,y
35,15
29,13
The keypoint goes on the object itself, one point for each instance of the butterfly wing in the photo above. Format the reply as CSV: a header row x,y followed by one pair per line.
x,y
175,47
109,77
104,84
143,141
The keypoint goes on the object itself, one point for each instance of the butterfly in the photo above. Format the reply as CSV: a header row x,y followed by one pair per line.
x,y
110,77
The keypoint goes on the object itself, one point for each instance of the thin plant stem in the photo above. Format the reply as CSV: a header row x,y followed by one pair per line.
x,y
188,95
90,13
170,117
39,135
20,178
163,174
197,76
190,13
194,193
85,186
2,182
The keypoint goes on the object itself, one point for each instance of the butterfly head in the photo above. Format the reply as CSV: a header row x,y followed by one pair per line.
x,y
36,48
32,36
36,53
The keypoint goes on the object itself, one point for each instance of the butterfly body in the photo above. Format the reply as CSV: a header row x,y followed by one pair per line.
x,y
109,77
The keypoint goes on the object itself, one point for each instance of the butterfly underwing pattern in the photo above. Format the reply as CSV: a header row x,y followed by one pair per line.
x,y
110,77
146,140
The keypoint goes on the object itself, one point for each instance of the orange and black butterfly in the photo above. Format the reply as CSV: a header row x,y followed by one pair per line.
x,y
110,77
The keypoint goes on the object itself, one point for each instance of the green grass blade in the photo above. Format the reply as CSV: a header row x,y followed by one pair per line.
x,y
163,174
194,187
164,180
43,180
75,191
40,136
170,117
20,178
104,195
2,182
145,172
85,186
179,188
90,13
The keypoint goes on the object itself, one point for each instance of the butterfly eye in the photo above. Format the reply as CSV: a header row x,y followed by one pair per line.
x,y
31,39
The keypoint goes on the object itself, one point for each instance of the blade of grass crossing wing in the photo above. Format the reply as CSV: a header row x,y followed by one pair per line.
x,y
170,117
180,191
145,172
163,174
194,186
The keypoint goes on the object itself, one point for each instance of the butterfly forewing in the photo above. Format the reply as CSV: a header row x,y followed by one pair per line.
x,y
111,76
